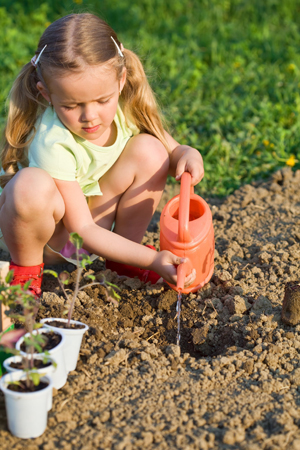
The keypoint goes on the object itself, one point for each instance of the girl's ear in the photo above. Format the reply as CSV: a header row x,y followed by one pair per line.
x,y
123,79
43,91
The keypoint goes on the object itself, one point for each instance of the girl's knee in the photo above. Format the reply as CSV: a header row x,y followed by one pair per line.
x,y
149,152
30,189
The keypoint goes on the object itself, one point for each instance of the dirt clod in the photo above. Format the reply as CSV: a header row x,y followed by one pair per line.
x,y
291,303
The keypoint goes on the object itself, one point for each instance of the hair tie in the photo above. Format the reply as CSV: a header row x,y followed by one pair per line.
x,y
118,48
35,59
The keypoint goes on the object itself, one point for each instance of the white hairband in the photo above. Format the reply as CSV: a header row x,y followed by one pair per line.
x,y
35,59
118,48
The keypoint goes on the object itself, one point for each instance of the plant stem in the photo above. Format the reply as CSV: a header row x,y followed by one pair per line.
x,y
96,283
30,351
76,290
63,289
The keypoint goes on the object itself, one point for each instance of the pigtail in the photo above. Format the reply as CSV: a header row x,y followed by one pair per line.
x,y
24,108
138,100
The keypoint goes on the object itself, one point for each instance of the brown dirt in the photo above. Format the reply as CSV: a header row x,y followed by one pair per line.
x,y
51,340
37,363
235,382
22,387
59,324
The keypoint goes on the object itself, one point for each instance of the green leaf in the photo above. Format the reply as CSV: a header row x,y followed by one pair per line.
x,y
113,285
76,240
51,272
9,276
90,277
38,347
35,377
85,260
20,318
17,383
26,285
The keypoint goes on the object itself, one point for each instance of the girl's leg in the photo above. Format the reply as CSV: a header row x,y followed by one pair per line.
x,y
30,208
132,188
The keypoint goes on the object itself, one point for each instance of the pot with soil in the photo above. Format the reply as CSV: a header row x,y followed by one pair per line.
x,y
44,368
73,337
26,408
54,348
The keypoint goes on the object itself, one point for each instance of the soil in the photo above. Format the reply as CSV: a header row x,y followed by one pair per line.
x,y
51,340
37,363
59,324
23,388
235,381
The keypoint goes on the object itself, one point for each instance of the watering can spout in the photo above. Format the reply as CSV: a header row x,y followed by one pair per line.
x,y
183,269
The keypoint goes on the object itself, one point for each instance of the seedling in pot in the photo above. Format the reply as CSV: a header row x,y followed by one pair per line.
x,y
82,260
73,330
23,306
27,393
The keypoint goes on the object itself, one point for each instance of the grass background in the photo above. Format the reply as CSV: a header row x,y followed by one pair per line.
x,y
226,73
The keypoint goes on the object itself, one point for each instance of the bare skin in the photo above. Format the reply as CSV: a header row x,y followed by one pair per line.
x,y
36,209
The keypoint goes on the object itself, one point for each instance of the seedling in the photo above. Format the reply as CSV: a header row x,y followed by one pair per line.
x,y
5,323
22,306
82,260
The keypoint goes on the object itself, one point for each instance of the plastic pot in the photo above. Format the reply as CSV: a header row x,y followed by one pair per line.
x,y
73,340
59,377
45,371
27,412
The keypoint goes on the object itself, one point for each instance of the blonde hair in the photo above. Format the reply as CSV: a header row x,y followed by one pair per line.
x,y
73,42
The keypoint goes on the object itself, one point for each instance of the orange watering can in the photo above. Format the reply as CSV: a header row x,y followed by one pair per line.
x,y
186,230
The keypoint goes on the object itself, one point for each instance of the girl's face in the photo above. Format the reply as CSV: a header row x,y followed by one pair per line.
x,y
86,102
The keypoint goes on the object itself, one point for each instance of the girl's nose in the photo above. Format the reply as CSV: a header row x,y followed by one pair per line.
x,y
89,113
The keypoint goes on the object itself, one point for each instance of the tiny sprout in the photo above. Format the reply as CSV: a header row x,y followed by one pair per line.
x,y
90,277
82,261
35,376
64,277
76,240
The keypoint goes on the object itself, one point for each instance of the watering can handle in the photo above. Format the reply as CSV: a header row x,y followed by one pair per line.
x,y
184,208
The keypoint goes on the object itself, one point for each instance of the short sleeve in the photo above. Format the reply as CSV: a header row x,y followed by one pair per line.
x,y
56,159
54,150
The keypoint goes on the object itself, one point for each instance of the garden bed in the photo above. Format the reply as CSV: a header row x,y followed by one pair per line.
x,y
235,383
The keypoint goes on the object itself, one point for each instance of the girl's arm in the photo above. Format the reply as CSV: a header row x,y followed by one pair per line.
x,y
184,158
110,245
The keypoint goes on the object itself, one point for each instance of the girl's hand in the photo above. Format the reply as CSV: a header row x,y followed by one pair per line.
x,y
165,264
184,158
190,161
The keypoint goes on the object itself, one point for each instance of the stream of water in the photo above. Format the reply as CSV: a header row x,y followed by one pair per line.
x,y
178,310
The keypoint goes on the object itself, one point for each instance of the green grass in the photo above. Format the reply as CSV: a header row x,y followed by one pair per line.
x,y
225,72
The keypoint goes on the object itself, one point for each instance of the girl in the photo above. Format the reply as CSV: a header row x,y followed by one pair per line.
x,y
85,151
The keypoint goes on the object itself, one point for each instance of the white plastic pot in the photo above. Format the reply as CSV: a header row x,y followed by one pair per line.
x,y
26,412
59,377
45,371
73,340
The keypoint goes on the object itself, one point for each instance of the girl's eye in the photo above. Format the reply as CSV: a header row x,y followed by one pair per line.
x,y
103,101
68,108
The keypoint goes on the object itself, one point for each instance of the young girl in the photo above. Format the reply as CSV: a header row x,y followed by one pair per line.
x,y
85,151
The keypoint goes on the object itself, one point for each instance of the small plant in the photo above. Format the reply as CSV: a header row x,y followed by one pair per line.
x,y
83,260
23,306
